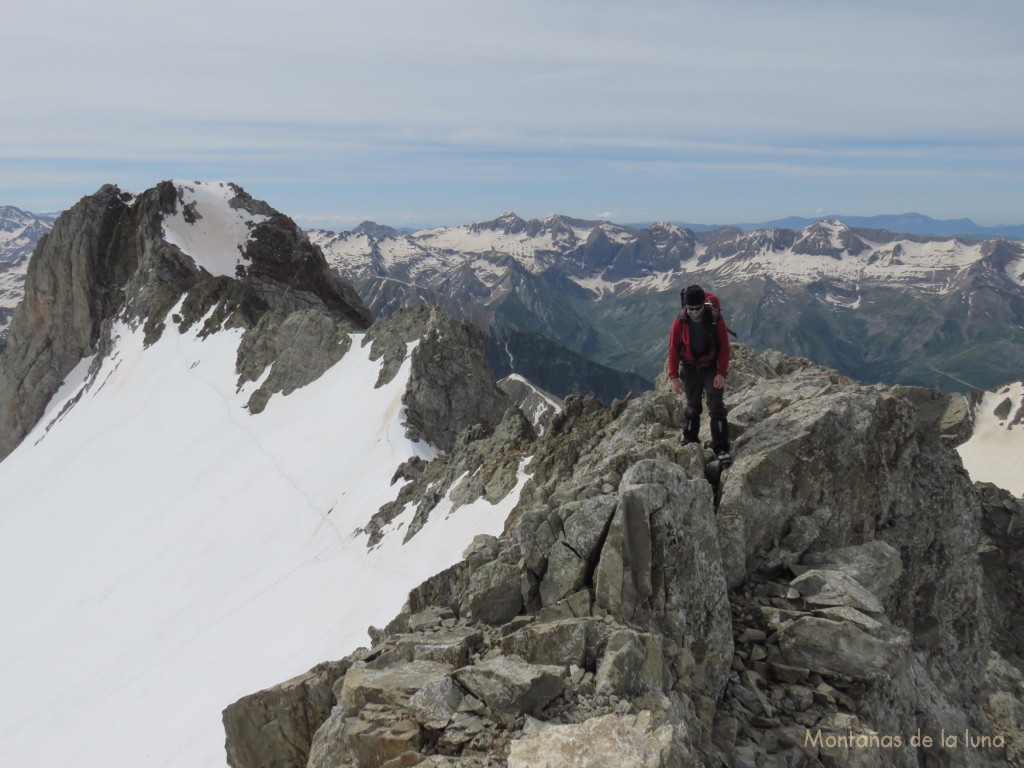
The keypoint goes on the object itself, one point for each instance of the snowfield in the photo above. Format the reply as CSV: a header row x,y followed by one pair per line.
x,y
216,237
164,552
995,452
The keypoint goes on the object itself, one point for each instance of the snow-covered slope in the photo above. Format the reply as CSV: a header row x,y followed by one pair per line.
x,y
164,551
995,452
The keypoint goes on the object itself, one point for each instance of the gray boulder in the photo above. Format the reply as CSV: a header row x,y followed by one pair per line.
x,y
436,703
274,728
841,647
564,642
633,664
827,587
380,738
875,564
391,686
509,686
575,549
494,594
372,722
447,646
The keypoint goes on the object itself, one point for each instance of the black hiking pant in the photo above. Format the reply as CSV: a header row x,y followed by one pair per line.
x,y
696,383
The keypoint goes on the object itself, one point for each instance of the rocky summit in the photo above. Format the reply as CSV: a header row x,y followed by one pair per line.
x,y
144,258
841,595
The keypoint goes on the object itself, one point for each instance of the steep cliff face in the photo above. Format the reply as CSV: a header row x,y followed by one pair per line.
x,y
117,255
820,602
71,287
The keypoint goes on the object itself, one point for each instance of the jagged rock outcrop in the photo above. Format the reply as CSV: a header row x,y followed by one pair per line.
x,y
450,385
1002,559
539,407
480,465
826,598
108,258
279,724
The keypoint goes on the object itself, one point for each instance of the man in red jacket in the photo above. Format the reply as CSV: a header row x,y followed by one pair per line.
x,y
698,350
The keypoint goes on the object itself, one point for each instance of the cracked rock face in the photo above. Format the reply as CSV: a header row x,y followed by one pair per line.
x,y
72,286
450,385
842,576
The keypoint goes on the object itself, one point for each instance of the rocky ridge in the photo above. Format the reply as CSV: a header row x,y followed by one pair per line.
x,y
837,591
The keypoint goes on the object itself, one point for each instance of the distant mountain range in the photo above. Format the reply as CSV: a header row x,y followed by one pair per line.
x,y
19,232
877,306
570,303
903,223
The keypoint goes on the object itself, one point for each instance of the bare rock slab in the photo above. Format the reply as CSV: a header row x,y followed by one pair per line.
x,y
601,742
827,587
510,686
274,728
840,647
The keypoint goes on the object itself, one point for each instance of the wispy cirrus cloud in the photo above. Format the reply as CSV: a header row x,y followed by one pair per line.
x,y
449,109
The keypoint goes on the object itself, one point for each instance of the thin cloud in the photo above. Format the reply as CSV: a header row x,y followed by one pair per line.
x,y
394,97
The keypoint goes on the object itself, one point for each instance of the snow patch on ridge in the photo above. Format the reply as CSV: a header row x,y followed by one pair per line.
x,y
217,235
1015,270
995,452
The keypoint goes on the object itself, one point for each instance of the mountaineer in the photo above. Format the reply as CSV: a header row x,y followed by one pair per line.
x,y
698,363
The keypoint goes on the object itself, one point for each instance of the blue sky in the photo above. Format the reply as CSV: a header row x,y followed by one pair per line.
x,y
412,113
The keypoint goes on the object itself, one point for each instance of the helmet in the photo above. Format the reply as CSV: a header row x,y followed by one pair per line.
x,y
693,296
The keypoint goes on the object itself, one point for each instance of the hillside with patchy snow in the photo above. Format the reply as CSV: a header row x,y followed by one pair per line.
x,y
824,250
186,550
875,305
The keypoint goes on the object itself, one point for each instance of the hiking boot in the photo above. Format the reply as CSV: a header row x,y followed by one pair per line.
x,y
720,434
684,440
724,458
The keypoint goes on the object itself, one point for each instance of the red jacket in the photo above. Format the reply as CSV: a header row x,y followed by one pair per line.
x,y
679,348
